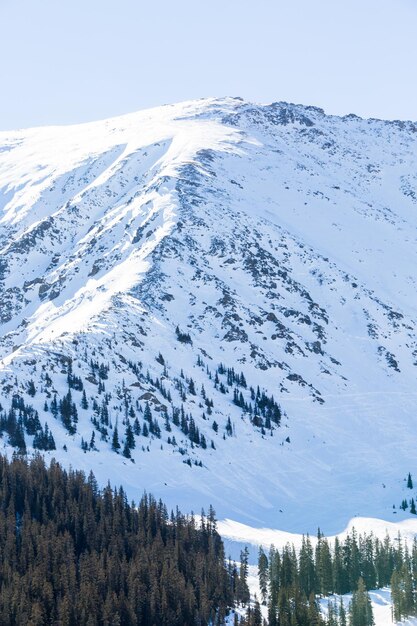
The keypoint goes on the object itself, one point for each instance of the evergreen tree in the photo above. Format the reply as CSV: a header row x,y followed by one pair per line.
x,y
324,567
402,593
92,445
115,445
243,595
129,437
126,450
342,614
307,575
136,427
54,406
313,617
69,415
360,608
263,574
332,616
147,414
84,403
340,579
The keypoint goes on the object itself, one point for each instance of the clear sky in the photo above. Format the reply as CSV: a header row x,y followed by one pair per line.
x,y
64,61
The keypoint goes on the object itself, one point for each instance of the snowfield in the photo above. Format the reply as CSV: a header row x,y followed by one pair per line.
x,y
273,239
266,537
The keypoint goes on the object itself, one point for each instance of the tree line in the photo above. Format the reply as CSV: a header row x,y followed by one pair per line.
x,y
74,555
291,581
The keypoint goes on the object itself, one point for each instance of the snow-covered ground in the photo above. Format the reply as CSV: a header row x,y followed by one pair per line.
x,y
265,537
381,606
283,241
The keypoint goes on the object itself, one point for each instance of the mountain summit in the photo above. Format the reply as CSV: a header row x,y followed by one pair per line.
x,y
216,301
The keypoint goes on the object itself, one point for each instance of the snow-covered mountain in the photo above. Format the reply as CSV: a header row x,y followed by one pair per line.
x,y
247,273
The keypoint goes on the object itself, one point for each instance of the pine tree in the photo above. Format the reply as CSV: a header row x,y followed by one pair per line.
x,y
402,593
84,403
409,603
50,441
409,481
136,426
324,567
396,596
243,594
332,618
129,437
263,574
92,445
126,451
340,578
342,614
306,567
54,406
360,608
147,414
115,440
313,617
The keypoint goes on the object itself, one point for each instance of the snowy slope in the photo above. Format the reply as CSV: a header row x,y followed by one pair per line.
x,y
274,239
381,607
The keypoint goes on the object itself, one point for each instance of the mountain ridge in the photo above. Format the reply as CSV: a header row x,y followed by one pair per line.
x,y
263,238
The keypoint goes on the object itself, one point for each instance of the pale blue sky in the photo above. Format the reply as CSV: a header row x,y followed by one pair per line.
x,y
65,61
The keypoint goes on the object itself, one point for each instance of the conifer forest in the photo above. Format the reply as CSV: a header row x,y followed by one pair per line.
x,y
208,349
